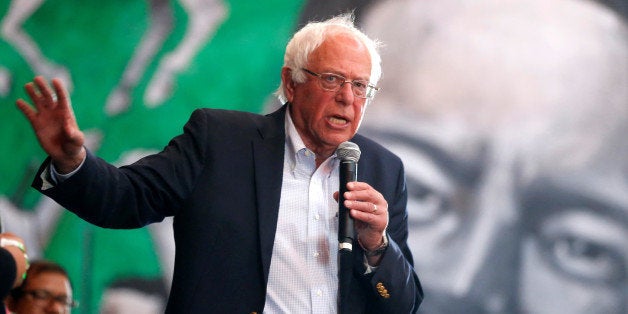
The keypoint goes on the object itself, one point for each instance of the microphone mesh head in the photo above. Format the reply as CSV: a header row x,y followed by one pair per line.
x,y
348,151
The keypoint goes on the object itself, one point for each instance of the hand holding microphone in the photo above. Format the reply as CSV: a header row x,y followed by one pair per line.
x,y
370,210
349,154
359,201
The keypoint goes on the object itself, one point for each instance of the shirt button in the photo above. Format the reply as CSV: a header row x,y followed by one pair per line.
x,y
316,255
319,293
317,217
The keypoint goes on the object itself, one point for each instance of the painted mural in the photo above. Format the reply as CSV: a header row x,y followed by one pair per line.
x,y
511,118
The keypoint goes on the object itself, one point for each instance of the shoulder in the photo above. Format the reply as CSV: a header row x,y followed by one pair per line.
x,y
234,122
382,169
224,115
375,152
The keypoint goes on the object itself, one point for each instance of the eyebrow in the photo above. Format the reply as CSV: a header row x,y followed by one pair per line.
x,y
464,171
545,192
46,291
334,72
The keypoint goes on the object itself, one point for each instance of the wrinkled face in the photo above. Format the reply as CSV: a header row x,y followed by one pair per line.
x,y
43,294
556,243
484,240
461,213
324,119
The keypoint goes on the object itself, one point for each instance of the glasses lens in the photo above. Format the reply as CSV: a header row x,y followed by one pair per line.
x,y
39,294
359,88
43,295
330,82
333,82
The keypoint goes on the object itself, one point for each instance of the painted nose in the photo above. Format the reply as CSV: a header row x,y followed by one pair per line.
x,y
488,245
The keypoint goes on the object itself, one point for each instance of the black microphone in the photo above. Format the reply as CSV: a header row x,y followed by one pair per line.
x,y
349,154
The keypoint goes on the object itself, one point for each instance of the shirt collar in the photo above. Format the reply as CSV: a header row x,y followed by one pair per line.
x,y
293,139
294,143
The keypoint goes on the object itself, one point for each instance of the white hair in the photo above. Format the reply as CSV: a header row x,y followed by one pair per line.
x,y
312,35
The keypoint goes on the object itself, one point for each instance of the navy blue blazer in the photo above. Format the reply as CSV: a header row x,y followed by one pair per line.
x,y
221,180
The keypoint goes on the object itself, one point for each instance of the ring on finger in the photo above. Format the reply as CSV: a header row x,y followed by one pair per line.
x,y
374,208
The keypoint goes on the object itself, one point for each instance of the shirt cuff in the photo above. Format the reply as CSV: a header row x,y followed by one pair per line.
x,y
369,268
51,177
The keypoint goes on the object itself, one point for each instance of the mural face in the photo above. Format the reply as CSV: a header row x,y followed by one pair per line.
x,y
510,123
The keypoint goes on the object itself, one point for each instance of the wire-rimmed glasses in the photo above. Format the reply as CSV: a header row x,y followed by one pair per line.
x,y
40,295
333,82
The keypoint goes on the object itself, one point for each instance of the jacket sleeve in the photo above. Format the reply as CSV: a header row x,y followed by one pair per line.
x,y
394,286
138,194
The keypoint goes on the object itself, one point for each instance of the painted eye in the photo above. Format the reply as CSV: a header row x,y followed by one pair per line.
x,y
586,258
584,246
427,204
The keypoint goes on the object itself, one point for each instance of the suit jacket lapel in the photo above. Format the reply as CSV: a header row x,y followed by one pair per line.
x,y
268,153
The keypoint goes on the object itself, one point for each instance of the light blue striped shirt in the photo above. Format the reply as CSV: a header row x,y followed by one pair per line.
x,y
303,274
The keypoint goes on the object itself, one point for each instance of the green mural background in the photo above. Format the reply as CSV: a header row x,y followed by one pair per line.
x,y
236,68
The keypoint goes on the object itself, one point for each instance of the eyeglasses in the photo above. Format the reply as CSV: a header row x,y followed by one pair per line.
x,y
333,82
46,296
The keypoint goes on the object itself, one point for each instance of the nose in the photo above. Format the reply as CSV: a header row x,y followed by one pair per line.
x,y
489,251
345,93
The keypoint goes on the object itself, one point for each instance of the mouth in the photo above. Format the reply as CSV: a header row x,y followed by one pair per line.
x,y
338,121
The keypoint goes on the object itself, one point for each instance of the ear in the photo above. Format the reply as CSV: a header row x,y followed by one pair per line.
x,y
288,83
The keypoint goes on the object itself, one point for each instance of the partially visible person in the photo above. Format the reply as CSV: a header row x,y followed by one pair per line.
x,y
46,289
511,118
13,262
134,295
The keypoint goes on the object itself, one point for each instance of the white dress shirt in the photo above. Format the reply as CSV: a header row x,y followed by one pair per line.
x,y
303,274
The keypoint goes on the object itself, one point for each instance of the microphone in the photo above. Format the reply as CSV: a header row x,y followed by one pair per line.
x,y
349,154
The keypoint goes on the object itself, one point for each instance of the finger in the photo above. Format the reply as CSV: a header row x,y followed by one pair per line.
x,y
369,207
32,92
362,206
357,194
370,196
358,186
60,91
366,217
26,109
44,90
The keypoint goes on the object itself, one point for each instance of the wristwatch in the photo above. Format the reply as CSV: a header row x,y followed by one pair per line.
x,y
379,250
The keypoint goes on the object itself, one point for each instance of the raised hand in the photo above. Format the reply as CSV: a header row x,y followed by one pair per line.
x,y
53,121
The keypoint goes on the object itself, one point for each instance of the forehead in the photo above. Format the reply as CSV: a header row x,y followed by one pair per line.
x,y
341,52
51,281
519,62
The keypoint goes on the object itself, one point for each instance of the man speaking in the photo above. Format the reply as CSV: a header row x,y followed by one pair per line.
x,y
254,197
